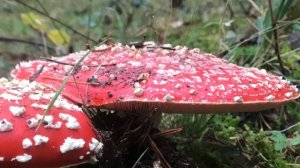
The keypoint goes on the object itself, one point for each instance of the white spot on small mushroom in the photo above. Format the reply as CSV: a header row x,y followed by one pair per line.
x,y
63,103
48,96
10,97
254,86
36,96
5,125
71,144
85,68
3,80
279,86
1,159
135,63
212,88
193,92
162,82
95,146
196,50
197,78
168,98
161,66
138,91
138,55
182,50
263,71
223,79
22,158
17,111
178,86
42,106
39,139
295,88
102,47
177,47
26,64
15,92
244,87
167,45
237,79
72,122
55,126
149,43
221,87
26,143
288,94
48,119
32,122
270,98
81,157
238,99
250,74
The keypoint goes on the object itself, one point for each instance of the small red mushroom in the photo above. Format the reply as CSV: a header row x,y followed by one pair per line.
x,y
172,80
65,137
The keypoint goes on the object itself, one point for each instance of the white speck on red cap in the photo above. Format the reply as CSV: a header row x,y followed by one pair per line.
x,y
138,91
22,158
238,99
32,122
288,94
39,139
16,110
72,122
168,98
270,98
26,143
96,146
71,144
5,125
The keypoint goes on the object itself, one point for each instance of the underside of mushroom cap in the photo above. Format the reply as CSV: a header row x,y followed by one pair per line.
x,y
171,80
64,138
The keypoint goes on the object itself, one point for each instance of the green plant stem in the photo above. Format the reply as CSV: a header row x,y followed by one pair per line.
x,y
275,34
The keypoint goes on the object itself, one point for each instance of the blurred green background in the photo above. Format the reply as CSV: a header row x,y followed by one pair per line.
x,y
253,33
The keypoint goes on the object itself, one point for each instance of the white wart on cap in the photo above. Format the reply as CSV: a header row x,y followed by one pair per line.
x,y
63,139
172,80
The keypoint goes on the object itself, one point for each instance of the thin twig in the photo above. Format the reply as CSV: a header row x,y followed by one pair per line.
x,y
290,127
71,64
276,47
137,161
163,160
45,44
12,40
54,24
89,20
56,20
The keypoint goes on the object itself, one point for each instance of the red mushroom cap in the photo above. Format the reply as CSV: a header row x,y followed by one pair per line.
x,y
174,80
66,136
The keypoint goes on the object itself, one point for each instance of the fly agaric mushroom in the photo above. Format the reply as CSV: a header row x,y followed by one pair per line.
x,y
171,80
65,137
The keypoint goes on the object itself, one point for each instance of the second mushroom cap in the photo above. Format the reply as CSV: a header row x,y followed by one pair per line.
x,y
65,137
